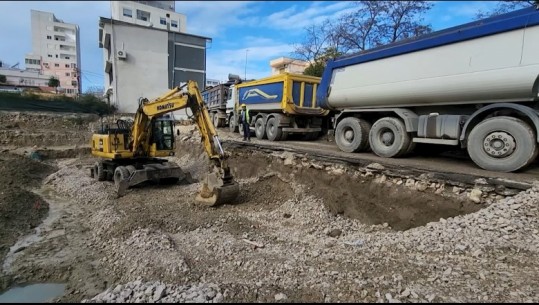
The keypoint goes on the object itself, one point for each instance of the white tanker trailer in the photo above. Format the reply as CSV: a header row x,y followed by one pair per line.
x,y
474,85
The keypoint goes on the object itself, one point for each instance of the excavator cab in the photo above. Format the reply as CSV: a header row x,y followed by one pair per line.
x,y
162,138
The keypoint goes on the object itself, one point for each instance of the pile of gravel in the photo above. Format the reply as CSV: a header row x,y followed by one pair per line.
x,y
159,292
145,253
72,182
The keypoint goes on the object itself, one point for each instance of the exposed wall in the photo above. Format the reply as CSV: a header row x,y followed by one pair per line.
x,y
144,73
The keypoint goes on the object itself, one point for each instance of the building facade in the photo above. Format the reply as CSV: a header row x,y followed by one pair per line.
x,y
288,65
18,77
146,61
55,51
156,14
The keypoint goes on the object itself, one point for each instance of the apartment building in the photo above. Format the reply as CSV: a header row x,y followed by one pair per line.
x,y
288,65
55,51
143,58
156,14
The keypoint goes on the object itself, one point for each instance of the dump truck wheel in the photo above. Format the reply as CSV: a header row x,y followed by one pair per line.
x,y
388,137
352,134
99,171
273,131
232,124
120,173
503,144
260,128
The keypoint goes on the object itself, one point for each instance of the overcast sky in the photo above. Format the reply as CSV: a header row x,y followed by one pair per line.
x,y
267,29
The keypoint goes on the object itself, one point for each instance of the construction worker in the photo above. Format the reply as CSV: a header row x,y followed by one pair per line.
x,y
244,121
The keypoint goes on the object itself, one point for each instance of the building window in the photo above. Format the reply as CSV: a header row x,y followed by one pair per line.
x,y
67,73
143,15
128,13
49,37
73,83
73,65
57,65
67,57
174,23
56,55
49,55
162,21
67,65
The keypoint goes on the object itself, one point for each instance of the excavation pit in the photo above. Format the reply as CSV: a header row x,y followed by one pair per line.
x,y
356,197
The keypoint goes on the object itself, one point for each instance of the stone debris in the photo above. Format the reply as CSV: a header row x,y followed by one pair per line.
x,y
159,292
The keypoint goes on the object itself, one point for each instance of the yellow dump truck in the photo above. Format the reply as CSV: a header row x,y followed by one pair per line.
x,y
280,105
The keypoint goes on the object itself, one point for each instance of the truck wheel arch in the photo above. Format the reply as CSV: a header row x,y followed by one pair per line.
x,y
481,114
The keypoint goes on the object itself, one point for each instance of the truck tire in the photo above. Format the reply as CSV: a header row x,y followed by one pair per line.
x,y
352,134
99,171
388,138
273,131
120,173
215,119
503,144
260,128
232,124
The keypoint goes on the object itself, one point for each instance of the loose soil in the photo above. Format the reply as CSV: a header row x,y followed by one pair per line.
x,y
20,209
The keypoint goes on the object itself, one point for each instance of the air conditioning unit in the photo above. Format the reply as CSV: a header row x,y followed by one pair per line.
x,y
121,54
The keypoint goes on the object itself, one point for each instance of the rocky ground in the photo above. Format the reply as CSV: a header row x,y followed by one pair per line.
x,y
300,231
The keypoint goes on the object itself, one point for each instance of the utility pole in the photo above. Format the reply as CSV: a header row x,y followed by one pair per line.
x,y
245,76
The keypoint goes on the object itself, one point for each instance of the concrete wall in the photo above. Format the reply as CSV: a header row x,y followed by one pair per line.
x,y
144,73
18,77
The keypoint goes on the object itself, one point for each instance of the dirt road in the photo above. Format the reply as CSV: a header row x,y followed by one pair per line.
x,y
302,230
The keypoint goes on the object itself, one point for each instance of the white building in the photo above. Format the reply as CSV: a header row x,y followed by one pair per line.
x,y
288,65
156,14
141,59
19,77
212,82
55,50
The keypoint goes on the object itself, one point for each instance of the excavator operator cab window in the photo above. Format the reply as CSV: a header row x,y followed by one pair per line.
x,y
163,134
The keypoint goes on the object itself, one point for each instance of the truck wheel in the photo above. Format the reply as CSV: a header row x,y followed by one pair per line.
x,y
99,171
260,129
503,144
352,134
274,132
216,121
120,173
232,124
388,137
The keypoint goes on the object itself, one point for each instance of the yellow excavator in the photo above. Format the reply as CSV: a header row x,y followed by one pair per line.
x,y
129,152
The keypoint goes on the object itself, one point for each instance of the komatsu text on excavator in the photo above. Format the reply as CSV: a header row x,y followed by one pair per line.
x,y
130,152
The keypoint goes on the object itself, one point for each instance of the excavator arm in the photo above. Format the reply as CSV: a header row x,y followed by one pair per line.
x,y
219,185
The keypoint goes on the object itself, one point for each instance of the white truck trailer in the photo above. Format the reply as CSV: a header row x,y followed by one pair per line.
x,y
474,85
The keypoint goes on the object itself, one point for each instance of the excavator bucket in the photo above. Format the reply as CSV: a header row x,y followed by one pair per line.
x,y
217,190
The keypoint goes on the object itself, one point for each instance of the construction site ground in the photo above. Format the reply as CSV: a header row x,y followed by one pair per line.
x,y
311,224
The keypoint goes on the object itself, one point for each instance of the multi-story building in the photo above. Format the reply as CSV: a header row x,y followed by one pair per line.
x,y
144,58
289,65
156,14
55,50
212,82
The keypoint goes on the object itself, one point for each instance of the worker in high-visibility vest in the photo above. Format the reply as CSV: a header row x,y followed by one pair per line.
x,y
244,121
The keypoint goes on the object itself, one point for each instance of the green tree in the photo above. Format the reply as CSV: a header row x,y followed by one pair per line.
x,y
54,82
2,78
315,69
